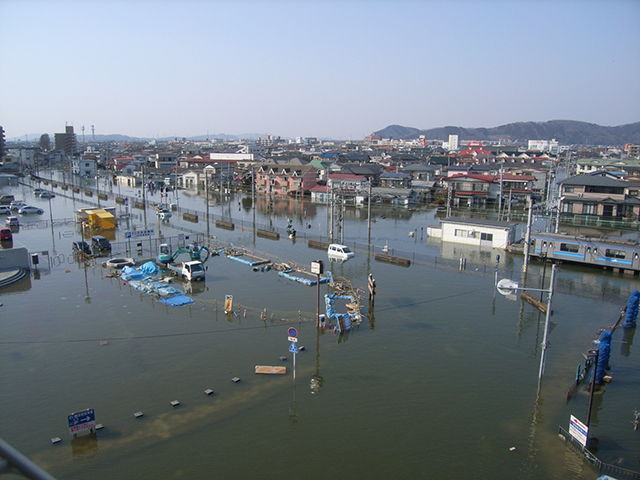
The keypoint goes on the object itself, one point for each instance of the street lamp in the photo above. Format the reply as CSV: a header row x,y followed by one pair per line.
x,y
507,287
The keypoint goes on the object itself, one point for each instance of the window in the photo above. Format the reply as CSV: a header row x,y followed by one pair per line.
x,y
568,189
486,236
589,208
460,233
569,247
613,253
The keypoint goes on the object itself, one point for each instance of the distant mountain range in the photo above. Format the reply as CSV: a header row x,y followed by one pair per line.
x,y
566,132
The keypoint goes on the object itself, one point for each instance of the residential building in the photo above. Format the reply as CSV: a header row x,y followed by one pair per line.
x,y
475,231
273,179
453,143
66,141
85,166
600,194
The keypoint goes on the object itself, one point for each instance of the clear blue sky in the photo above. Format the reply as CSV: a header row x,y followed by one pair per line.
x,y
338,69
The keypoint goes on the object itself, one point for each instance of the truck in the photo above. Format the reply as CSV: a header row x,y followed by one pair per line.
x,y
189,271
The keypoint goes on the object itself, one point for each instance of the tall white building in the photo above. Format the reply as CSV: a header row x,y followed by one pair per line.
x,y
453,142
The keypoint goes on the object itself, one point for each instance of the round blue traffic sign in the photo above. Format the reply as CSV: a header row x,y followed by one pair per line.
x,y
293,332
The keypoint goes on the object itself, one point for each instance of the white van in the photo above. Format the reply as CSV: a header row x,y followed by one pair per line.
x,y
341,252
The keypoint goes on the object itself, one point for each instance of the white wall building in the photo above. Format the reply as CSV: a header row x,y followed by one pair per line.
x,y
453,143
475,231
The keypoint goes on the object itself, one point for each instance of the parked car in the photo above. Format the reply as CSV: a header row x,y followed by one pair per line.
x,y
17,205
12,221
6,199
341,252
100,245
5,209
27,209
46,194
6,235
81,247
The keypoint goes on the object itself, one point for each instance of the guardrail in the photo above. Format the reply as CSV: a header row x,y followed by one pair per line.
x,y
13,459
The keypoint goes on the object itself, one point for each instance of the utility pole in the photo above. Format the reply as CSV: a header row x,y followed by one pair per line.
x,y
527,238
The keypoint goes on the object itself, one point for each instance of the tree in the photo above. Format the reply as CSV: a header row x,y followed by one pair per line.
x,y
45,142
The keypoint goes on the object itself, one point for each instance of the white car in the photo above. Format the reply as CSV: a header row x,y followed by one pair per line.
x,y
46,194
5,210
27,209
17,205
340,252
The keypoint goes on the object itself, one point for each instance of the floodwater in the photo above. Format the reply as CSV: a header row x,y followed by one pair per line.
x,y
440,381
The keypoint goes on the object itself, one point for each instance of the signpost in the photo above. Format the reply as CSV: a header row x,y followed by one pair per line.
x,y
293,338
578,430
228,303
81,421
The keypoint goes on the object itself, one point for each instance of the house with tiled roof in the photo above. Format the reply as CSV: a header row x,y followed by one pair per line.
x,y
272,179
601,194
483,190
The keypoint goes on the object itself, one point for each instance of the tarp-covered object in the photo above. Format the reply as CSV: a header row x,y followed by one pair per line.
x,y
632,310
150,268
143,283
604,349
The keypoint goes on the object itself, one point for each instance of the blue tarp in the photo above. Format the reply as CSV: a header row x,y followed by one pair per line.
x,y
176,300
296,276
143,283
150,268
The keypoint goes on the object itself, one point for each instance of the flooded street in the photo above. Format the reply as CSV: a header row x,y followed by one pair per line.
x,y
439,381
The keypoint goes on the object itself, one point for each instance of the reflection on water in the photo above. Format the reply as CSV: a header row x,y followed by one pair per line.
x,y
442,384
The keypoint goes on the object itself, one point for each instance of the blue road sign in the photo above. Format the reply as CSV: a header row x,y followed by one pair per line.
x,y
293,332
293,348
85,416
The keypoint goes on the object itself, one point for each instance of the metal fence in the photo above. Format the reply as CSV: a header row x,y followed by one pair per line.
x,y
148,248
601,466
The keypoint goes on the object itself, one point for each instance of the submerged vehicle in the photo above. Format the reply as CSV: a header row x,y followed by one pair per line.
x,y
189,271
340,252
195,251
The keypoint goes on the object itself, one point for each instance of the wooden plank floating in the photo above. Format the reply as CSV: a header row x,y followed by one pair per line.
x,y
138,414
536,302
268,234
175,403
267,370
225,225
56,440
381,257
208,391
235,379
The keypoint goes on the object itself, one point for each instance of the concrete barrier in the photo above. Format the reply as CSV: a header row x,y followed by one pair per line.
x,y
268,234
404,262
225,225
